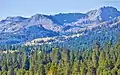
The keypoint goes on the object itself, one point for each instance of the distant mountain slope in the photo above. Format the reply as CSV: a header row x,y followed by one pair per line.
x,y
68,17
103,14
14,30
26,34
103,32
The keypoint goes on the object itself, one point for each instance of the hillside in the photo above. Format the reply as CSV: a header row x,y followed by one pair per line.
x,y
100,24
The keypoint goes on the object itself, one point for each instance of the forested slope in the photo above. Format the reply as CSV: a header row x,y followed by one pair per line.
x,y
60,61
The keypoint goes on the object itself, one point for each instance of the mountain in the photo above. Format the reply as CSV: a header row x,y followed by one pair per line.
x,y
64,29
18,30
103,14
103,32
63,18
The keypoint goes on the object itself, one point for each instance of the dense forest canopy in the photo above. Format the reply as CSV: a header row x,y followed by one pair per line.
x,y
18,60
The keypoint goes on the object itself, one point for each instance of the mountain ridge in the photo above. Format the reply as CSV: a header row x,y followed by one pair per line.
x,y
40,25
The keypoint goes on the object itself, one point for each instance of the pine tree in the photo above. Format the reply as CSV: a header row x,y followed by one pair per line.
x,y
53,69
83,69
114,71
102,60
27,73
26,63
11,72
94,59
4,73
42,70
118,72
5,67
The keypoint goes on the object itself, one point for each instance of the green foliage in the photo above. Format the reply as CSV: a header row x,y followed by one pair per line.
x,y
61,61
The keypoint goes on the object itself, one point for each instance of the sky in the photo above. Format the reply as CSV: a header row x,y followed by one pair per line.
x,y
27,8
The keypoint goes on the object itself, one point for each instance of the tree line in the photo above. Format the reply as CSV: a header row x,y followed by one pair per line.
x,y
61,61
